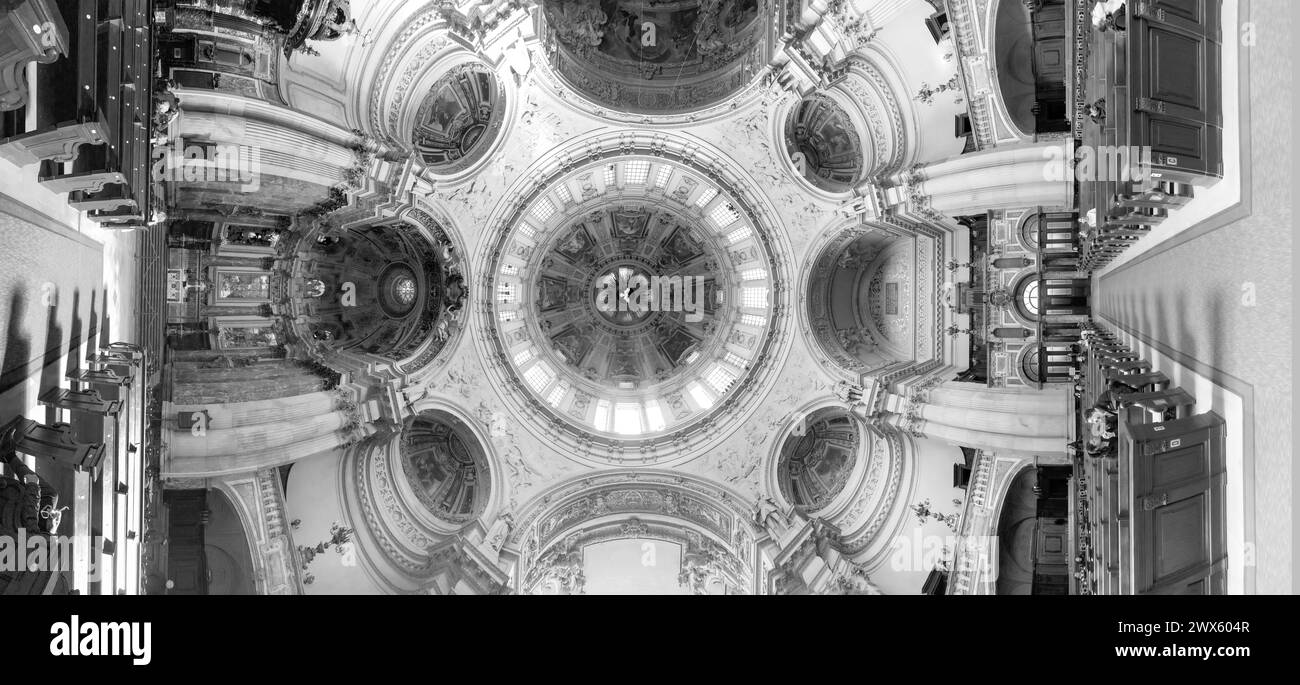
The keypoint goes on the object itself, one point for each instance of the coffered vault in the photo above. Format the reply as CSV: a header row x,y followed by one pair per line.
x,y
777,442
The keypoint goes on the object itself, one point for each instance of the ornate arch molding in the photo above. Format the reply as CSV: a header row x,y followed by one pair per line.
x,y
891,125
447,331
431,44
870,499
660,500
398,524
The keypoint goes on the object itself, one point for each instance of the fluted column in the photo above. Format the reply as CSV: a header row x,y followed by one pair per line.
x,y
215,442
984,440
1004,177
282,409
1027,421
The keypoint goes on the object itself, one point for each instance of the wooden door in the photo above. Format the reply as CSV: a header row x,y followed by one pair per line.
x,y
186,567
1177,506
1176,87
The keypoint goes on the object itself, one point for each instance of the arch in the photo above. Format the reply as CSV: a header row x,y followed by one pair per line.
x,y
1026,297
848,295
400,525
1032,59
228,548
556,523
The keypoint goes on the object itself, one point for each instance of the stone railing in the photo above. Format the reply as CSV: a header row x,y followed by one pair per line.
x,y
259,498
968,574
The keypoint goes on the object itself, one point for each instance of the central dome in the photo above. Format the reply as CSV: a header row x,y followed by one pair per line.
x,y
633,300
630,294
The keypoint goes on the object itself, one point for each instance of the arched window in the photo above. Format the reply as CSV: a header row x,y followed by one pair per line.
x,y
1029,299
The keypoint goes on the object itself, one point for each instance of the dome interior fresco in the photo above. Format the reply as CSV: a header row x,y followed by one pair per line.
x,y
816,461
445,468
821,138
648,56
458,118
632,297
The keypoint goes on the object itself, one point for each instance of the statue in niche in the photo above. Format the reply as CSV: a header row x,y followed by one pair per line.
x,y
858,256
856,341
578,24
456,293
771,518
314,288
496,537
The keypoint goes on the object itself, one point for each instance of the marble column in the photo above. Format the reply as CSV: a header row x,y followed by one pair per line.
x,y
244,439
1017,176
1020,424
984,440
959,394
1025,420
256,412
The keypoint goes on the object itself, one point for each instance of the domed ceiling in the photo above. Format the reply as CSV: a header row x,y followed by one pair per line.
x,y
632,299
820,135
458,118
446,470
378,289
657,55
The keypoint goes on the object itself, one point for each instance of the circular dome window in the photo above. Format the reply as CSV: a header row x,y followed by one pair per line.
x,y
399,291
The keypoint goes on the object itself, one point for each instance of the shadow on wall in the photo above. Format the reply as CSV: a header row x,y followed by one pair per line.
x,y
922,543
312,502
